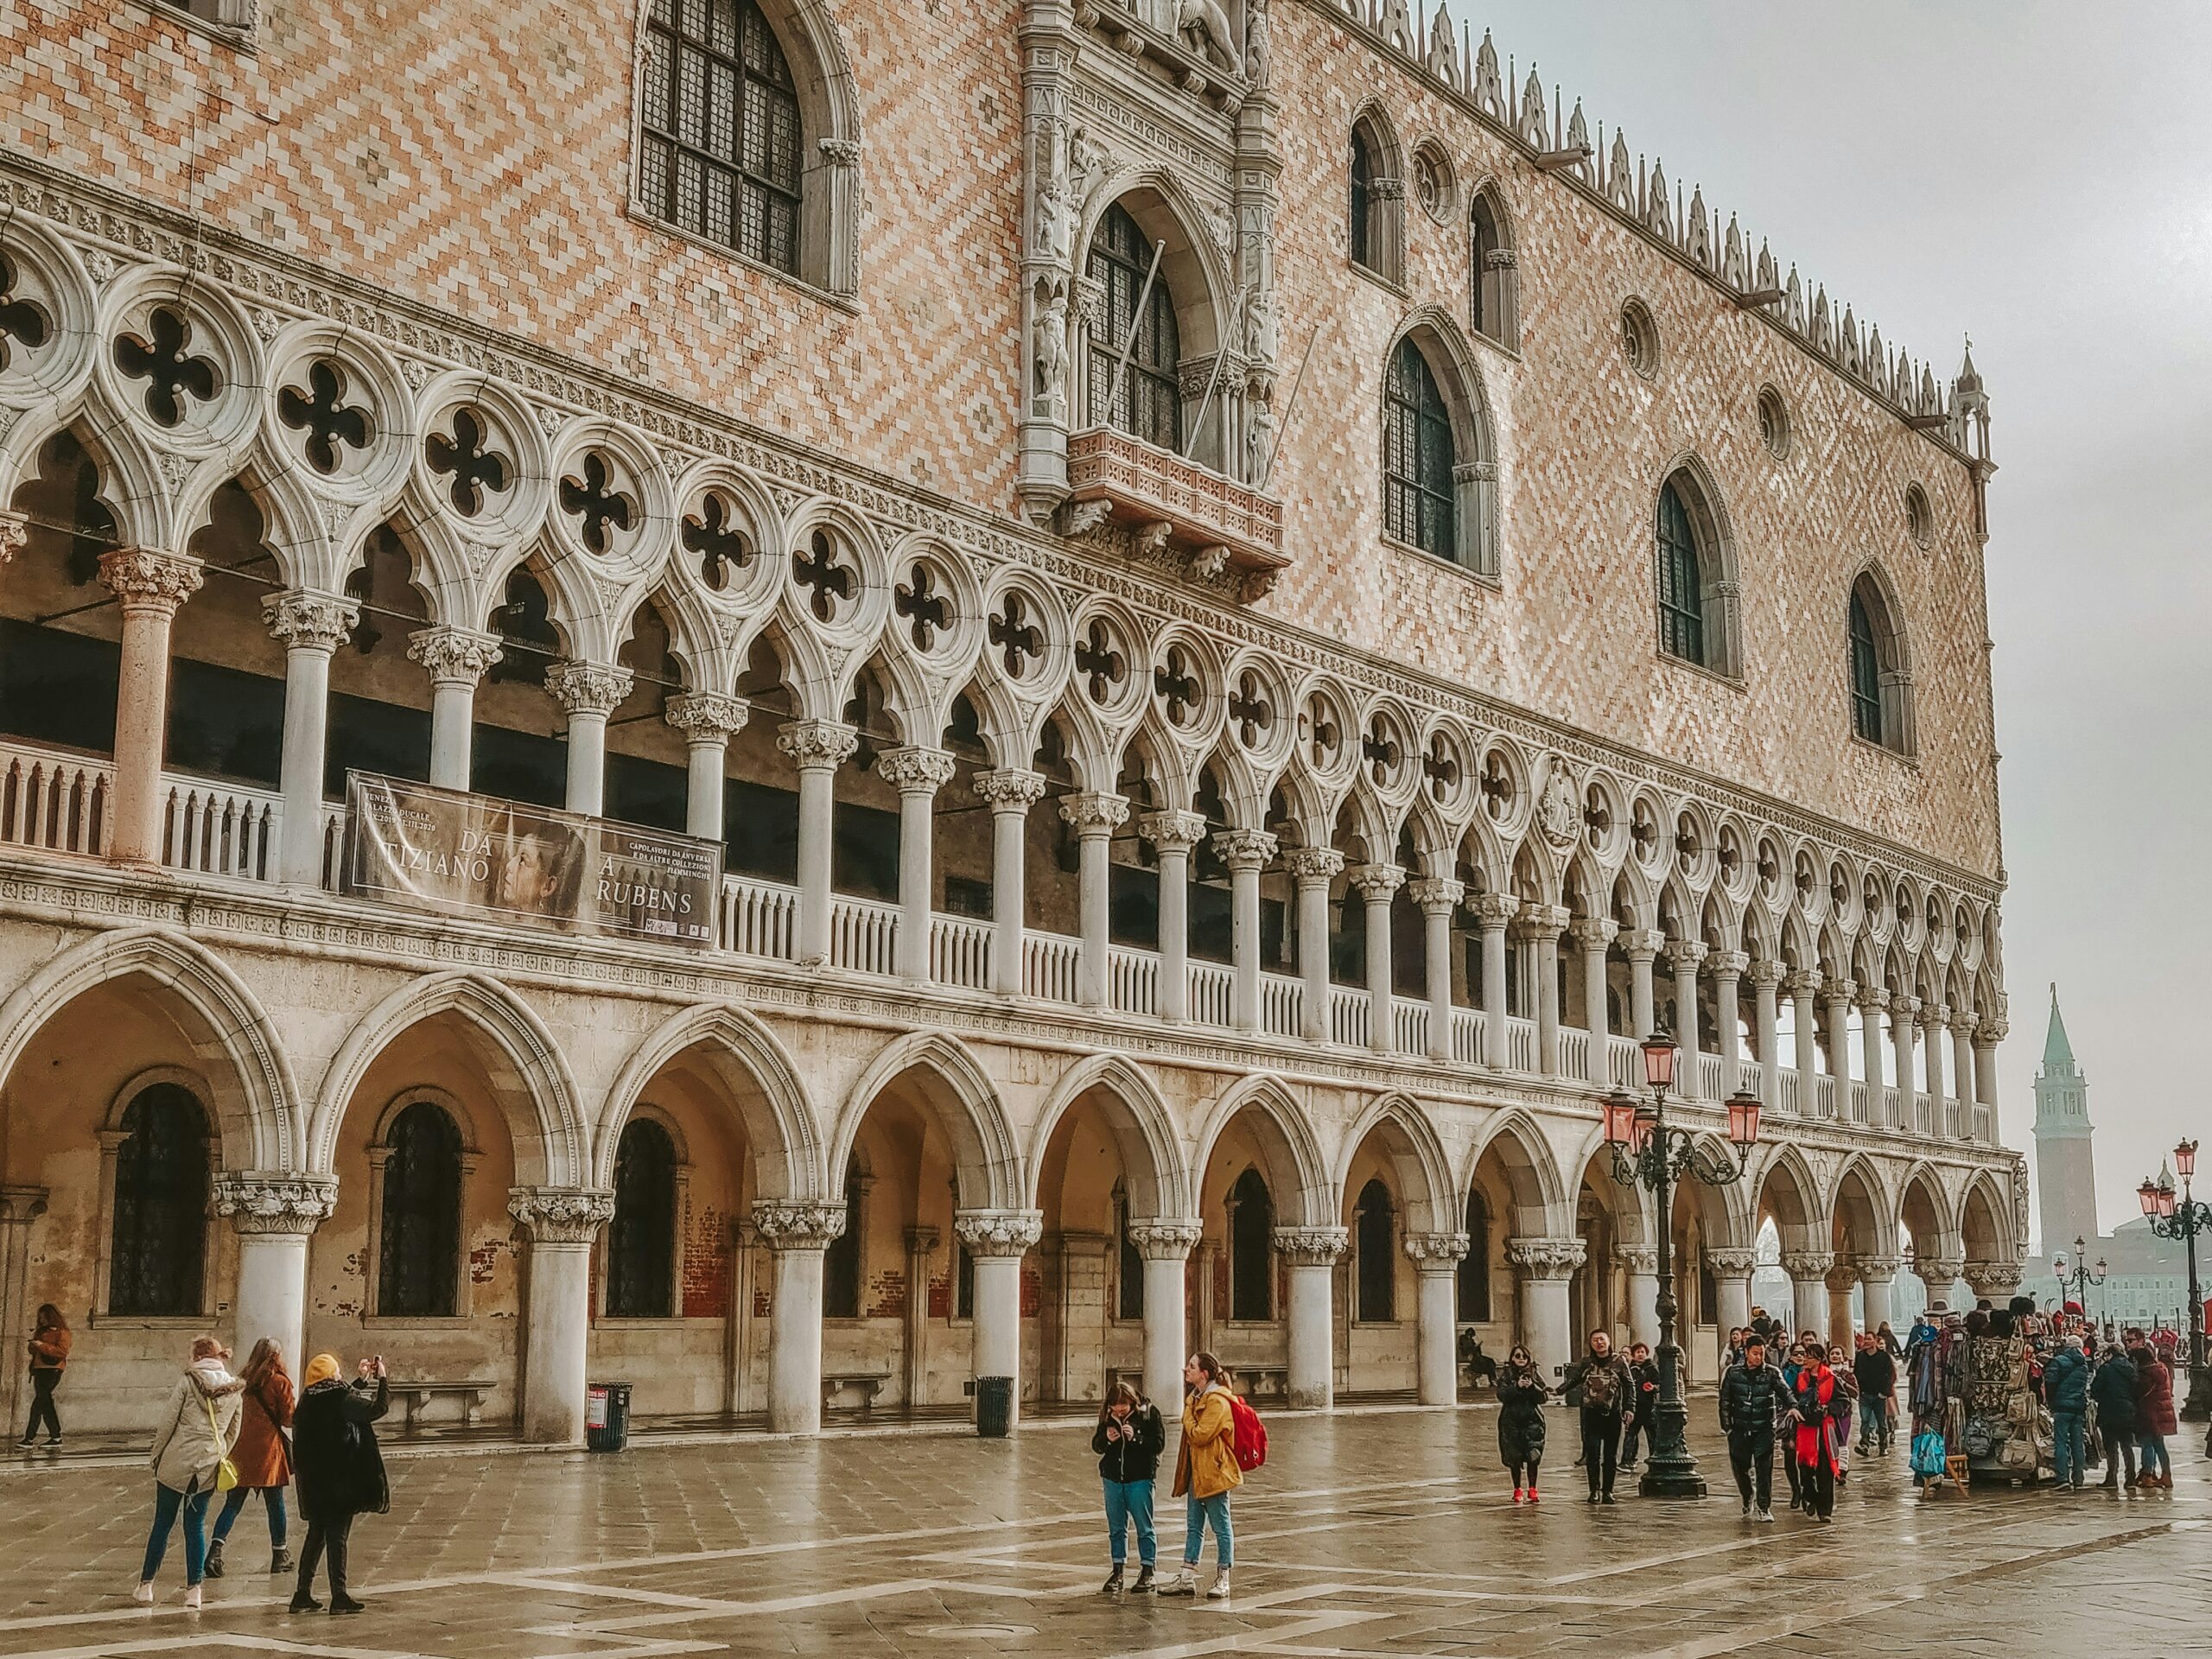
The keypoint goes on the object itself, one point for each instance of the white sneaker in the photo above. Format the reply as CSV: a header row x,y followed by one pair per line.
x,y
144,1593
1767,1516
1219,1589
192,1596
1183,1583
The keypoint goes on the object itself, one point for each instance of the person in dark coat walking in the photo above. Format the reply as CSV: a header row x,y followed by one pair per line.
x,y
1128,1440
1752,1401
1521,1397
1645,1370
1606,1389
339,1470
49,1347
2112,1391
2154,1416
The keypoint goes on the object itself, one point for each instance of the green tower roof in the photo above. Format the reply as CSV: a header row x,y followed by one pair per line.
x,y
2057,1052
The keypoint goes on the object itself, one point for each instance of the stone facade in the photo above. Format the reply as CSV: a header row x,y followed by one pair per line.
x,y
1148,821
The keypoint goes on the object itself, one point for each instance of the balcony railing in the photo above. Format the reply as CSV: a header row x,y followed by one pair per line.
x,y
1199,509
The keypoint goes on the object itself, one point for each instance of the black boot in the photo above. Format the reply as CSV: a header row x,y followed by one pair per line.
x,y
280,1561
304,1602
1113,1581
1143,1586
215,1559
342,1603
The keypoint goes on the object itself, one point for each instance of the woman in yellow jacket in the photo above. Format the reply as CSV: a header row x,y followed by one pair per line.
x,y
1205,1474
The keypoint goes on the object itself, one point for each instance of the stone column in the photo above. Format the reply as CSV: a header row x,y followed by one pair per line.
x,y
1492,911
151,585
1166,1245
1840,993
997,1241
818,747
1803,989
1962,1023
457,658
274,1215
1808,1273
1438,898
588,692
1877,1277
1436,1267
917,774
1593,934
562,1223
310,625
1732,1291
1766,1024
1540,925
1727,972
1934,1021
737,1323
796,1232
1095,817
1246,852
1173,835
1378,884
1314,868
1642,946
921,1245
1904,1011
1686,953
1842,1280
1641,1264
1870,1004
1010,792
1545,1266
1996,1283
1312,1253
708,720
1986,1036
19,1207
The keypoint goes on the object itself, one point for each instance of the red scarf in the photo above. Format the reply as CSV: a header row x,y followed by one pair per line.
x,y
1815,1391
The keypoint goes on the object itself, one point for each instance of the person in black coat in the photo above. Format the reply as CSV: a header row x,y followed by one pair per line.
x,y
1601,1381
2111,1390
1645,1370
338,1470
1753,1396
1128,1440
1521,1397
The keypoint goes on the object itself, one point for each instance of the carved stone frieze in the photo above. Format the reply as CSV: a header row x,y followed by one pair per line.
x,y
258,1201
561,1215
1311,1246
999,1232
798,1224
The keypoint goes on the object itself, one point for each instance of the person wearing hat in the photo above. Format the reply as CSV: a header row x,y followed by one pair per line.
x,y
338,1468
197,1429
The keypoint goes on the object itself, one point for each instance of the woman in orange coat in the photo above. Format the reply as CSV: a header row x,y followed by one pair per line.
x,y
1205,1474
1813,1414
263,1455
49,1356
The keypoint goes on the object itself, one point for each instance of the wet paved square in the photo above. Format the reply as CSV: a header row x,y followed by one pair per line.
x,y
1383,1534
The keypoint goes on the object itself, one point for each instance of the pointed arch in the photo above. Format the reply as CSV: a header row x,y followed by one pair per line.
x,y
1429,352
1986,1232
1300,1166
1864,1211
1375,194
1541,1204
1697,579
1878,662
1429,1196
1923,1208
1493,273
1143,1129
987,1159
1787,1186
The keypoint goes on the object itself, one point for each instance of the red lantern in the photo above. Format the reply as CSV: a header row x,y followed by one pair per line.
x,y
1620,1117
2185,1158
1647,1120
2148,1194
2165,1200
1659,1059
1743,1120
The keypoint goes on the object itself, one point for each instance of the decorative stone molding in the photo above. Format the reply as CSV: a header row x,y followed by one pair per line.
x,y
915,772
812,743
14,528
1378,881
1546,1258
1494,910
1172,832
1686,953
1093,813
1434,893
588,688
304,619
1871,999
1309,864
1728,964
1727,1263
999,1232
1802,985
1638,1259
1844,1276
148,579
1939,1273
453,655
1801,1265
1311,1246
923,1241
1244,851
1845,991
561,1215
1010,788
1766,973
1643,943
799,1223
1164,1240
1878,1269
1542,921
256,1201
708,716
1437,1252
1904,1006
20,1205
1994,1280
1593,933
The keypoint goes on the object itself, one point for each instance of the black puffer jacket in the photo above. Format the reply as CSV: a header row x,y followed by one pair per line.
x,y
1127,1459
1753,1398
335,1461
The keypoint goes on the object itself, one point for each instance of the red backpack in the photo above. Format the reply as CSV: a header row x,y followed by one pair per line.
x,y
1247,1436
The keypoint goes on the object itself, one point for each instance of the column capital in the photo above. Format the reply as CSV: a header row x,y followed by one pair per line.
x,y
1312,1247
1905,1005
817,744
999,1232
14,529
1311,864
1845,991
1963,1022
708,716
1643,943
1801,1265
914,771
260,1201
1640,1260
1094,812
1593,933
799,1223
1727,965
1935,1015
561,1215
1686,953
1244,850
1546,1258
1939,1273
1995,1280
1543,921
303,619
1731,1263
1803,986
1871,999
150,579
21,1204
1494,910
1010,788
1172,832
583,687
1165,1238
1878,1269
1844,1275
1437,1252
1767,974
1990,1033
1437,893
1377,883
453,655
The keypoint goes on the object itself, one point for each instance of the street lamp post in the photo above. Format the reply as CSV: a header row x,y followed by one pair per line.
x,y
2184,1220
1647,1150
2080,1277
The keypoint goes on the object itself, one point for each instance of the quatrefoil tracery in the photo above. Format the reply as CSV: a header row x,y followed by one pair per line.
x,y
331,423
718,542
475,467
1019,641
167,363
22,320
1176,686
595,502
1095,658
1250,709
926,610
829,581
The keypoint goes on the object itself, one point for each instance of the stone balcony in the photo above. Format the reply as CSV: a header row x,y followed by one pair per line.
x,y
1174,503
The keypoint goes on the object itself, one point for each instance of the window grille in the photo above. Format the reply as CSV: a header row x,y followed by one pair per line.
x,y
1681,581
160,1235
1419,457
418,1258
723,147
1149,402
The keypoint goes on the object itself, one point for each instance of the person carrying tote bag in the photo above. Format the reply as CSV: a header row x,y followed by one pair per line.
x,y
191,1463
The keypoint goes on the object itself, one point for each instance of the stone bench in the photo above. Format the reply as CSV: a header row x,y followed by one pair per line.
x,y
1262,1381
837,1385
413,1396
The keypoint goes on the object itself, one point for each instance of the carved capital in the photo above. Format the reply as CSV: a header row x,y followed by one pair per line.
x,y
1803,987
1844,1276
1995,1280
1546,1258
1767,974
1643,943
921,1241
840,152
148,579
305,620
915,772
453,655
1164,1240
20,1206
1312,1247
798,1224
1686,953
1638,1260
1172,832
1878,1269
708,716
1728,964
1310,864
561,1215
1801,1265
1010,788
1494,910
1436,892
1841,991
1436,1252
1095,813
14,528
999,1232
1939,1273
1542,921
1378,882
1991,1032
588,688
1244,851
1871,999
256,1201
1934,1016
1731,1264
1904,1006
817,743
1593,933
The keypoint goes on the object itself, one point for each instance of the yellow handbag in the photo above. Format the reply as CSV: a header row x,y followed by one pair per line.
x,y
227,1473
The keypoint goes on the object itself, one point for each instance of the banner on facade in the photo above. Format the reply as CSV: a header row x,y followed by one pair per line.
x,y
455,854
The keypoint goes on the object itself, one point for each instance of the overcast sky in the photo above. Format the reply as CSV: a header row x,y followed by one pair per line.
x,y
2039,176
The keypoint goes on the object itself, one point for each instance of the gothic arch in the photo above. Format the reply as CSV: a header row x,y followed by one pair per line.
x,y
1986,1228
1719,578
1301,1167
1541,1204
1143,1127
1430,1197
987,1157
1921,1191
1864,1220
1493,276
1801,1212
1873,594
1437,335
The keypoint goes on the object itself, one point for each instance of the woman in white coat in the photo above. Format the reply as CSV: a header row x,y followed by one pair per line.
x,y
191,1437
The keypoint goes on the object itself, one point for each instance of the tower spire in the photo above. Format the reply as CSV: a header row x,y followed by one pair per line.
x,y
2057,1051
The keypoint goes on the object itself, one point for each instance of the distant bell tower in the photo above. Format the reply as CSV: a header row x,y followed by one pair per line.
x,y
2066,1178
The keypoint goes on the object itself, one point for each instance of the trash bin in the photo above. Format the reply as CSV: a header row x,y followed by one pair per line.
x,y
607,1416
994,1407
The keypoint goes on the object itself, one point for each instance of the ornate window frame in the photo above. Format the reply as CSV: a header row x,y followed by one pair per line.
x,y
1376,246
680,1199
1870,586
380,1152
1435,333
110,1136
1493,270
1720,586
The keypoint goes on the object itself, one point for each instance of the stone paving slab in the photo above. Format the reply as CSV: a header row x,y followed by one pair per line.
x,y
1388,1535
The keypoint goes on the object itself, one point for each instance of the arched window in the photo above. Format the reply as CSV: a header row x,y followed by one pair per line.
x,y
1881,702
1865,673
841,1262
1149,402
159,1239
1375,207
1378,1271
1360,209
641,1240
1474,1266
722,142
1419,457
1129,1303
1251,1249
1493,293
1682,580
418,1249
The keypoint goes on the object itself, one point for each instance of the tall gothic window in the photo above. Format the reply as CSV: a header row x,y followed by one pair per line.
x,y
1251,1249
723,146
1149,402
1417,456
1378,1273
1130,1301
1865,673
841,1262
1493,295
158,1245
641,1240
1474,1266
1361,207
1682,580
418,1252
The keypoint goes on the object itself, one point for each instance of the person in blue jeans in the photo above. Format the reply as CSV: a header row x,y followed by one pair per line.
x,y
195,1433
2066,1391
1128,1440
